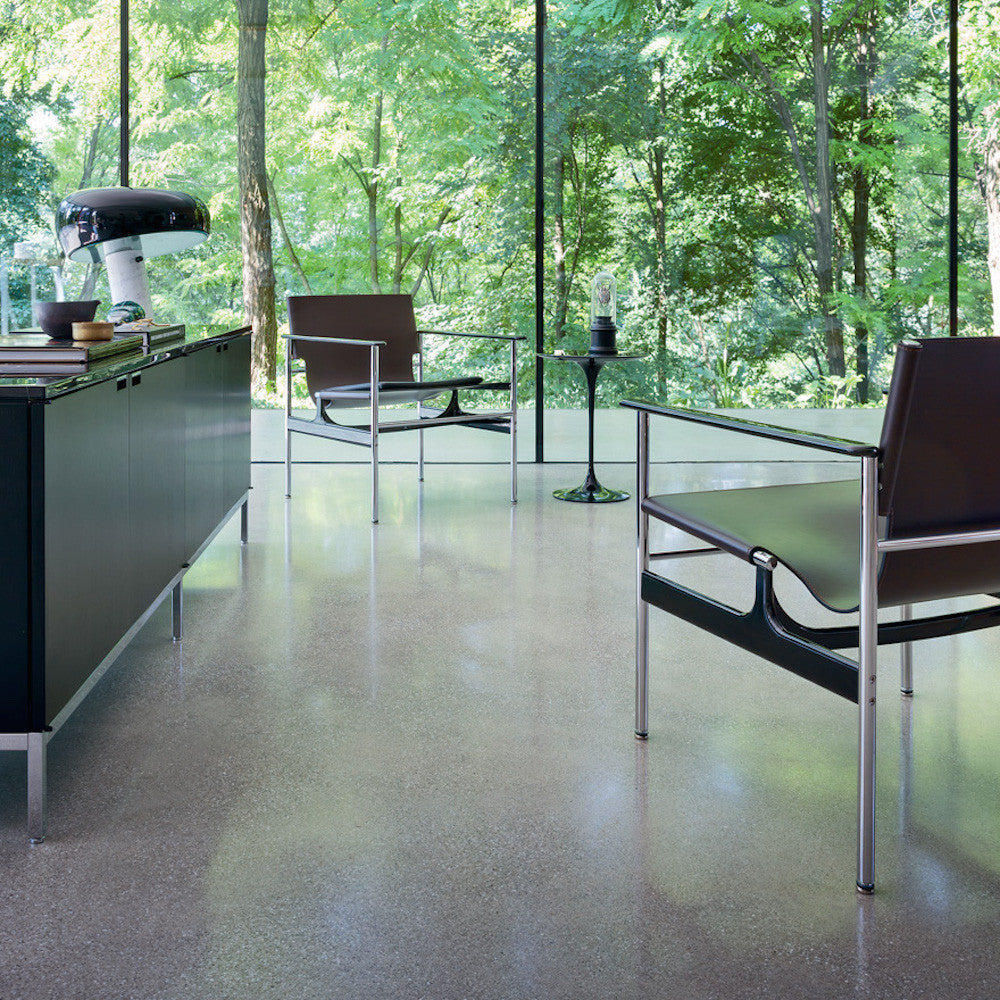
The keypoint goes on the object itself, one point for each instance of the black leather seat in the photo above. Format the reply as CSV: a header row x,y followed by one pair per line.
x,y
921,524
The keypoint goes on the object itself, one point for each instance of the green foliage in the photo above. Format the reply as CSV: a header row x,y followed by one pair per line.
x,y
25,186
400,148
25,172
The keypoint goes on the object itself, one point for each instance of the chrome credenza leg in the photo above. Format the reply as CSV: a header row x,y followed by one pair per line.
x,y
177,610
37,788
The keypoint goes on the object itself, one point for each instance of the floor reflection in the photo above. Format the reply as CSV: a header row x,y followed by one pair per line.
x,y
397,761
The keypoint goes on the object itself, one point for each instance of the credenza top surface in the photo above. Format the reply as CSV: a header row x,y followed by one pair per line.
x,y
27,388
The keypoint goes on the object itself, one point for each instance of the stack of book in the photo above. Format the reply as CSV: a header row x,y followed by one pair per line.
x,y
152,334
36,354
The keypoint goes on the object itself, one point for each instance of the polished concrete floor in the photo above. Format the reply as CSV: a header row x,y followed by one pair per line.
x,y
397,762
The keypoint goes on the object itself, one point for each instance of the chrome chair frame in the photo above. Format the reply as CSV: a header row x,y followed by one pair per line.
x,y
769,632
367,435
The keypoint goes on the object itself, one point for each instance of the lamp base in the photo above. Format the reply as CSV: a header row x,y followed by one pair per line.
x,y
127,277
603,341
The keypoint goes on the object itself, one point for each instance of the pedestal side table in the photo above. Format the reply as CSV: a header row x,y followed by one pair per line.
x,y
591,491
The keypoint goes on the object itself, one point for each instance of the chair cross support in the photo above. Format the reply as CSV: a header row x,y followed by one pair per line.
x,y
758,631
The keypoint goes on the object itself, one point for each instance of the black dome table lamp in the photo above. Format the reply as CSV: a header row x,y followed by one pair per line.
x,y
124,226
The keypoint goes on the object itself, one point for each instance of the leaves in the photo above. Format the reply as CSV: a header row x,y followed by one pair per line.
x,y
401,145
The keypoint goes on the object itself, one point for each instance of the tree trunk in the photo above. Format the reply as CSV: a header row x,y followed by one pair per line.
x,y
425,264
372,192
988,174
255,214
289,246
865,63
559,247
656,170
823,211
818,196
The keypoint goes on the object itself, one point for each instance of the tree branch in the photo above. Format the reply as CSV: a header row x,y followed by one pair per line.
x,y
279,218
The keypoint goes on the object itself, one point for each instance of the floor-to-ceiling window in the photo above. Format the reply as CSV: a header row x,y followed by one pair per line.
x,y
768,182
399,143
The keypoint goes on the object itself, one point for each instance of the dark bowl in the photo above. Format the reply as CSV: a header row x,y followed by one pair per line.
x,y
57,318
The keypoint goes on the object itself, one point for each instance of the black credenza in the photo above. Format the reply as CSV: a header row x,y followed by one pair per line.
x,y
111,484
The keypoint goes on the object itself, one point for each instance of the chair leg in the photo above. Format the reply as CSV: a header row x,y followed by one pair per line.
x,y
288,413
513,422
420,409
374,476
642,564
374,429
513,456
641,669
868,648
906,659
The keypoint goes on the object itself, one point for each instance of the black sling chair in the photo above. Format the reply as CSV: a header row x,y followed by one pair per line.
x,y
922,525
358,351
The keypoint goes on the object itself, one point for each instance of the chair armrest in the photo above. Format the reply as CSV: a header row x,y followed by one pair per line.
x,y
478,336
974,536
823,442
334,340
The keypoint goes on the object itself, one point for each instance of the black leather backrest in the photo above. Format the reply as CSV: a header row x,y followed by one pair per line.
x,y
354,317
940,435
941,471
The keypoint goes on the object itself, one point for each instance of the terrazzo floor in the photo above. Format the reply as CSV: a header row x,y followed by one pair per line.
x,y
397,762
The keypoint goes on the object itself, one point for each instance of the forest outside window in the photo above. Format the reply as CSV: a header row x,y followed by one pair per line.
x,y
768,182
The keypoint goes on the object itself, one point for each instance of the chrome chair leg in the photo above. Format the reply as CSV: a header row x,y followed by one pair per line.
x,y
374,432
868,643
906,659
513,422
288,413
642,564
420,409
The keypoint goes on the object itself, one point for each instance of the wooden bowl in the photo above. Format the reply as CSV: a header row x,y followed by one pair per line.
x,y
93,331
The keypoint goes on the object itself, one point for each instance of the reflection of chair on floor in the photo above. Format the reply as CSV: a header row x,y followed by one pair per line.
x,y
923,525
358,351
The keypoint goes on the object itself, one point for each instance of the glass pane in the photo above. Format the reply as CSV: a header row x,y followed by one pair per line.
x,y
979,170
768,183
58,132
399,152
